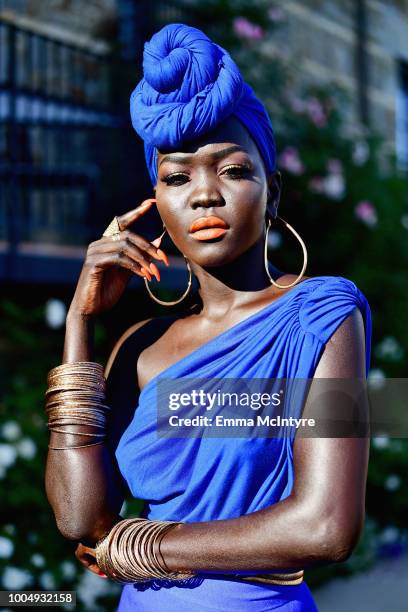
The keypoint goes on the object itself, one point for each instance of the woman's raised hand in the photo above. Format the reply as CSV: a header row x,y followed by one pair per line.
x,y
111,261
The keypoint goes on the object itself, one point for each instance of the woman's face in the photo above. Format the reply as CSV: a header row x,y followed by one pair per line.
x,y
220,175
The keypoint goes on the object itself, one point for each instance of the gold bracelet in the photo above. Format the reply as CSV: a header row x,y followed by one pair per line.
x,y
76,396
127,553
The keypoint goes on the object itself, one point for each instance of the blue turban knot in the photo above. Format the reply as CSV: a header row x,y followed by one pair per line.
x,y
190,86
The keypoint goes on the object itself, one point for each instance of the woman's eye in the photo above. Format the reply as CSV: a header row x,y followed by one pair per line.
x,y
237,172
175,179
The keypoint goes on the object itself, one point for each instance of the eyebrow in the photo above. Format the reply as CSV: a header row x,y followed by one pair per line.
x,y
215,156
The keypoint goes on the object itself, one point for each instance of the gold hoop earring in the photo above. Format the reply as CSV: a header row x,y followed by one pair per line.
x,y
156,242
266,254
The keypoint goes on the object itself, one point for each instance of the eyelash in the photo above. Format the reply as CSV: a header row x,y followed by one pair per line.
x,y
242,169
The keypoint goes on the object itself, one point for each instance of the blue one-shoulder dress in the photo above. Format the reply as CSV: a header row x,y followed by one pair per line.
x,y
204,479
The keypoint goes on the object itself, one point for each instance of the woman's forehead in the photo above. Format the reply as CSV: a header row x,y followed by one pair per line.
x,y
230,132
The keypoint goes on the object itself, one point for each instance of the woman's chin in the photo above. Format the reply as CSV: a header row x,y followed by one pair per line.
x,y
213,254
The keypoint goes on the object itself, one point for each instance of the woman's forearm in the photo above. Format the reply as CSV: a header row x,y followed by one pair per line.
x,y
81,484
286,535
79,338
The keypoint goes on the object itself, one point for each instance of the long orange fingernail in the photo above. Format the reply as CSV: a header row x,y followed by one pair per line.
x,y
163,256
146,203
146,273
155,270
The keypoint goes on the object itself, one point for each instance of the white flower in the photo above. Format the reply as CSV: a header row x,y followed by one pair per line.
x,y
3,471
8,455
376,379
26,448
381,442
91,587
37,560
392,482
68,570
274,239
6,548
389,535
334,186
10,529
404,221
361,153
11,430
55,313
390,349
47,581
15,578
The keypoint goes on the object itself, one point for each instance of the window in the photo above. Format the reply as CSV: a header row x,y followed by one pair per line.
x,y
401,115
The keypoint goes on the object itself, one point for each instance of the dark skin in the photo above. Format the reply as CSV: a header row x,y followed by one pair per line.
x,y
322,518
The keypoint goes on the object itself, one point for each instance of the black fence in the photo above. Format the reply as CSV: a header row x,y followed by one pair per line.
x,y
68,159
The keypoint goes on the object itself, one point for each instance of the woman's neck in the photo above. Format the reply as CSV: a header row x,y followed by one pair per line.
x,y
235,284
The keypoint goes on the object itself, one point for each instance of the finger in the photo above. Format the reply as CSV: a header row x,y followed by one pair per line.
x,y
122,260
128,248
87,557
132,215
141,257
135,244
90,564
150,247
94,567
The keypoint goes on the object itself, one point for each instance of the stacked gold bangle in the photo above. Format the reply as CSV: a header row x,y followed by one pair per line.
x,y
128,553
76,396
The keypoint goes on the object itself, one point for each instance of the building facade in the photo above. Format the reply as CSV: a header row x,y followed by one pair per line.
x,y
361,45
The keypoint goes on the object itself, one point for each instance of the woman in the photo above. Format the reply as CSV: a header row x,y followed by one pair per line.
x,y
249,514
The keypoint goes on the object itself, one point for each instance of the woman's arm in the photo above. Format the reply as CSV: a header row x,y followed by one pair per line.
x,y
322,518
81,484
84,486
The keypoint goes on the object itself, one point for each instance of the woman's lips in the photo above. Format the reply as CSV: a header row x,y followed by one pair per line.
x,y
206,228
208,233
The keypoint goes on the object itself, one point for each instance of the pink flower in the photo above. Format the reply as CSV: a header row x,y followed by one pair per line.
x,y
297,104
276,15
334,166
290,161
247,29
365,212
334,185
316,112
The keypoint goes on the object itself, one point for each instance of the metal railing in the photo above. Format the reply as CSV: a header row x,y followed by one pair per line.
x,y
62,130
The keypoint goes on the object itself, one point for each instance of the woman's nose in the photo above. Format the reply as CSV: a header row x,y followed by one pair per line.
x,y
206,195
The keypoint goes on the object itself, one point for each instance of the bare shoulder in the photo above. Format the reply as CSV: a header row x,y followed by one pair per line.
x,y
131,330
344,353
288,279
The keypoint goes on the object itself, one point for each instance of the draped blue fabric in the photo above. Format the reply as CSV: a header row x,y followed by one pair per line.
x,y
204,479
190,85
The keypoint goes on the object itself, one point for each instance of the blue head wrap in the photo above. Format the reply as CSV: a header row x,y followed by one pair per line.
x,y
190,86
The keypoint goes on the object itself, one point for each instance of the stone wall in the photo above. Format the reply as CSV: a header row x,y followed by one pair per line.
x,y
320,35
